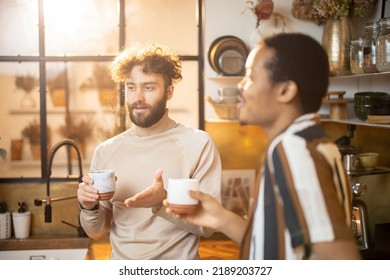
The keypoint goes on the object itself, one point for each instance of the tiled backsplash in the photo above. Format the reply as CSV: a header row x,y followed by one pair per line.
x,y
66,210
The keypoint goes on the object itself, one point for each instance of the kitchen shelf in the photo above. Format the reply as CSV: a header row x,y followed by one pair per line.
x,y
360,75
378,170
352,76
355,121
226,78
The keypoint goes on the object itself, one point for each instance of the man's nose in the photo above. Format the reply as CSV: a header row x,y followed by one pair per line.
x,y
139,94
240,85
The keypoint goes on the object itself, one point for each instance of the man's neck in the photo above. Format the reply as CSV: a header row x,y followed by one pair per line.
x,y
162,125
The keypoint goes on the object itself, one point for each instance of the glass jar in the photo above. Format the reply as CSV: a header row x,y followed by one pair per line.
x,y
356,56
371,30
383,45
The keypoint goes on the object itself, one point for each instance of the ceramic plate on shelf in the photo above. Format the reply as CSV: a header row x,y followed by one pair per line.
x,y
227,56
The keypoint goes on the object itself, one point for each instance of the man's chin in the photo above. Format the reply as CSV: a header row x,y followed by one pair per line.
x,y
242,122
241,119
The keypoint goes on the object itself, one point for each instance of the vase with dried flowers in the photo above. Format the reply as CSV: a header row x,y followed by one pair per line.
x,y
264,10
335,15
319,11
26,84
79,132
32,131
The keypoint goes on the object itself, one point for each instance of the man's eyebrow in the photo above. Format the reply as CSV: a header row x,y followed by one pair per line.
x,y
150,83
145,83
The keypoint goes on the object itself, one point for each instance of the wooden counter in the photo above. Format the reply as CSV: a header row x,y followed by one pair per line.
x,y
45,242
217,247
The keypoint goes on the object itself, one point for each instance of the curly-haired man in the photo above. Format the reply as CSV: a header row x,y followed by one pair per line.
x,y
154,149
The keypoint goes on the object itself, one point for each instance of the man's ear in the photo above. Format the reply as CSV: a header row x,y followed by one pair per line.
x,y
170,90
288,91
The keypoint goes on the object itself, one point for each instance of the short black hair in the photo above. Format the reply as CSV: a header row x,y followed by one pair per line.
x,y
302,59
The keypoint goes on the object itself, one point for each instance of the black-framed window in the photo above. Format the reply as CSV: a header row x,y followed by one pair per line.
x,y
50,42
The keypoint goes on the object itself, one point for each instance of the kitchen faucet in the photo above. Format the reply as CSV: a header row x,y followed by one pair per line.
x,y
49,200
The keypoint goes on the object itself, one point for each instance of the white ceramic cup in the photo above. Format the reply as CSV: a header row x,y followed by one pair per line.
x,y
104,182
22,224
178,195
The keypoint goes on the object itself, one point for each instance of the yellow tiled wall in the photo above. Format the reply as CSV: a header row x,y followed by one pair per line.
x,y
66,210
240,147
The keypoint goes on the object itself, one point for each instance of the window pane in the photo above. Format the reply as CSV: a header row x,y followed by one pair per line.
x,y
19,27
19,114
92,115
169,22
81,27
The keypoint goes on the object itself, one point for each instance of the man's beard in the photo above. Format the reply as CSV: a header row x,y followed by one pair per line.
x,y
156,113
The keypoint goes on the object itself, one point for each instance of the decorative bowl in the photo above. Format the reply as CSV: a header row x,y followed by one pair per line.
x,y
371,103
370,97
368,160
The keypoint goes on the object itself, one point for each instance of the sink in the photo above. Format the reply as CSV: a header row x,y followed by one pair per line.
x,y
45,248
47,254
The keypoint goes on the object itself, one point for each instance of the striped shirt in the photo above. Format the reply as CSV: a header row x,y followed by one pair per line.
x,y
304,196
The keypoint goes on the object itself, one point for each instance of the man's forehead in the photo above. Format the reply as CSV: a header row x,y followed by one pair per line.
x,y
258,56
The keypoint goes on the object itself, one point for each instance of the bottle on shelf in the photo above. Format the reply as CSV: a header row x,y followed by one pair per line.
x,y
369,47
383,45
356,56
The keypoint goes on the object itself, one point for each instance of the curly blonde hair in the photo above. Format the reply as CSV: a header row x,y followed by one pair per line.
x,y
153,58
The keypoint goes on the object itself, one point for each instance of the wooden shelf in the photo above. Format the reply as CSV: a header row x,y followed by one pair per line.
x,y
362,172
226,78
356,121
360,75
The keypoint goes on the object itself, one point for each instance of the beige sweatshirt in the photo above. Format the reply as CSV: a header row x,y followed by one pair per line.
x,y
138,233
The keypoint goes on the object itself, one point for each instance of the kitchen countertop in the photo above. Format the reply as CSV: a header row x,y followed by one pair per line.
x,y
215,247
45,242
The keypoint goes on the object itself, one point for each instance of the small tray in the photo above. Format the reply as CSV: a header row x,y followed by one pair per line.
x,y
385,119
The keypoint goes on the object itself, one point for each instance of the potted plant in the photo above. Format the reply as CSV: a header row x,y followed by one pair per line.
x,y
108,93
57,91
79,132
33,133
26,84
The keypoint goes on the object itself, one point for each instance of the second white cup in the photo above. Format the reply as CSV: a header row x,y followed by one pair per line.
x,y
178,195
